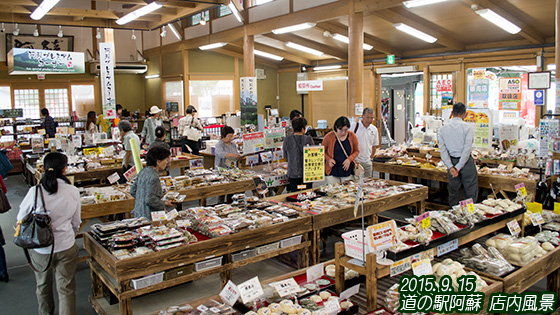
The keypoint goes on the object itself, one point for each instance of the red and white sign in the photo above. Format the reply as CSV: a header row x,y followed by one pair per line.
x,y
306,86
444,85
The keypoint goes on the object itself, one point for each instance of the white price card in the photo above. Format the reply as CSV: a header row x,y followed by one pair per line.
x,y
346,294
266,156
286,287
332,306
171,215
77,140
400,266
422,268
447,247
230,293
536,218
315,272
514,227
113,178
250,290
252,160
203,308
214,310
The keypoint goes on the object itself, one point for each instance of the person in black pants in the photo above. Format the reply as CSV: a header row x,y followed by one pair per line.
x,y
293,153
185,123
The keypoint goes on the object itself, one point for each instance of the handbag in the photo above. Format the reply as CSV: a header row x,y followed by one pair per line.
x,y
35,230
4,203
358,168
193,133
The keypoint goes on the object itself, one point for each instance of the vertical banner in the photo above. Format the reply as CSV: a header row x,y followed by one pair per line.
x,y
248,101
510,93
481,120
107,80
313,164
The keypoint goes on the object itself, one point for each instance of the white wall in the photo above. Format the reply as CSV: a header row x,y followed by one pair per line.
x,y
196,31
306,4
125,46
269,10
151,39
225,23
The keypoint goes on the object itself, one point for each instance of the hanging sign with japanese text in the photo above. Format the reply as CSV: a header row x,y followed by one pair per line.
x,y
107,75
28,61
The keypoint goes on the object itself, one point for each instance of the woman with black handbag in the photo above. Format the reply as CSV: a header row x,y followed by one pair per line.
x,y
61,201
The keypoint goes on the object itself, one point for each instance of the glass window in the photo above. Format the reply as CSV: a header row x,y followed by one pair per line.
x,y
56,101
224,10
28,100
5,97
83,99
174,93
195,19
211,97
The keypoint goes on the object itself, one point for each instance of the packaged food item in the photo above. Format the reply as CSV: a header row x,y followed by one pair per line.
x,y
500,241
523,251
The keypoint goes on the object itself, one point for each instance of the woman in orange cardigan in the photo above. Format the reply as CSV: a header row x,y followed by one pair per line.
x,y
338,164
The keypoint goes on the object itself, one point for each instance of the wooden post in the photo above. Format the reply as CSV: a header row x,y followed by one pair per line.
x,y
355,58
371,282
248,54
557,52
339,269
427,95
316,247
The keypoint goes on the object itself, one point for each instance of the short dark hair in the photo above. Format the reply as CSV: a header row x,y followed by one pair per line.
x,y
125,125
226,130
459,109
295,113
191,109
119,106
44,112
160,132
299,124
341,122
156,154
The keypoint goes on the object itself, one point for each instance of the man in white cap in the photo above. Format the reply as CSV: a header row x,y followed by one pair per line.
x,y
150,125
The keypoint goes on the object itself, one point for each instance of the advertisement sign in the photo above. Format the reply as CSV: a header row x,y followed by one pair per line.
x,y
510,93
248,95
477,93
273,138
306,86
444,85
539,97
313,164
479,74
28,61
382,235
481,120
253,142
107,76
509,136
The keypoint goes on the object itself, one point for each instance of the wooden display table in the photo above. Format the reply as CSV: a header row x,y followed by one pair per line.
x,y
107,270
373,271
198,193
498,183
107,208
371,209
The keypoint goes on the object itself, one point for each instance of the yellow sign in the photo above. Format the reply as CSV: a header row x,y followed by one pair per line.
x,y
557,208
91,151
313,164
534,207
479,74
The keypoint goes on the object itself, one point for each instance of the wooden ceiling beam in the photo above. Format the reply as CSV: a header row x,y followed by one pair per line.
x,y
377,44
401,15
239,55
9,17
20,2
370,6
275,51
342,55
514,15
181,13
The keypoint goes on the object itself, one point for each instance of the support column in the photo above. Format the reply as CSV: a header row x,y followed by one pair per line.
x,y
355,58
557,55
248,55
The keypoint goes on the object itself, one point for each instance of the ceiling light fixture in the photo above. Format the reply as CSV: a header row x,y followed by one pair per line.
x,y
345,39
151,76
16,30
499,21
163,32
138,13
267,55
98,36
414,32
419,3
212,46
322,68
133,37
235,12
305,49
3,28
43,8
203,21
60,33
36,31
293,28
174,31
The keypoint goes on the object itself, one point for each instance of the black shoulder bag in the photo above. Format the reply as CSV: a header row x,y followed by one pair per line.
x,y
35,231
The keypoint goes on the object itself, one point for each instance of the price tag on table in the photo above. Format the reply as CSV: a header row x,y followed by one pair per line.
x,y
514,227
315,272
468,205
130,173
113,178
214,310
423,221
447,247
400,266
286,287
521,189
332,306
250,290
266,156
557,208
422,268
196,164
536,218
203,308
346,294
230,293
252,160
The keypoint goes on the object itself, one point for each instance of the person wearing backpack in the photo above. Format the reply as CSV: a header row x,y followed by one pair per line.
x,y
62,203
293,153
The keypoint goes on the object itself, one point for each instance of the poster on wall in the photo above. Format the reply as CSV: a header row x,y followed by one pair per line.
x,y
253,142
248,101
30,61
444,85
510,93
481,120
509,137
477,93
108,98
273,138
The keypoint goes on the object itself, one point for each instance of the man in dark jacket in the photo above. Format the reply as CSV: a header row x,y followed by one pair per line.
x,y
49,124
